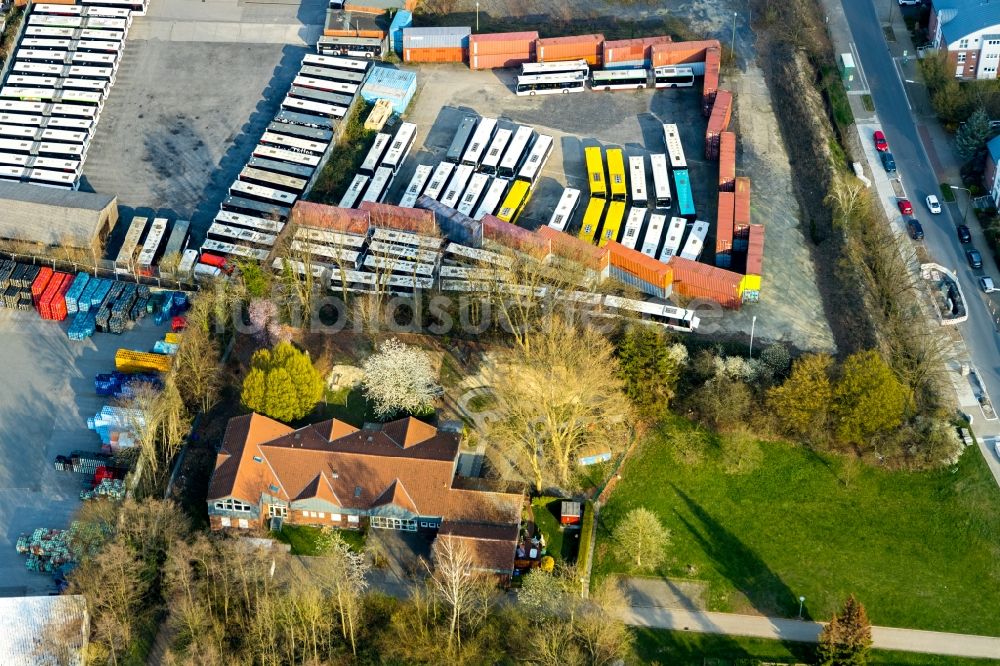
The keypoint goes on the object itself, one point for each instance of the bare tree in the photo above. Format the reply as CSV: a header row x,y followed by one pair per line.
x,y
456,582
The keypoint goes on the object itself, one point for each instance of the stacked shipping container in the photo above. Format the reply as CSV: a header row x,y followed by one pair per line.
x,y
626,53
436,44
755,261
501,49
697,280
724,230
718,122
664,54
513,236
741,214
727,162
713,60
635,268
578,47
402,19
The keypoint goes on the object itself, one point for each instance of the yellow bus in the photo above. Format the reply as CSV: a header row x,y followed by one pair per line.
x,y
595,172
515,201
612,223
592,219
616,174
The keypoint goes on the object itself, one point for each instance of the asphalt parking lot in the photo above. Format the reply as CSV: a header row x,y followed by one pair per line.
x,y
48,381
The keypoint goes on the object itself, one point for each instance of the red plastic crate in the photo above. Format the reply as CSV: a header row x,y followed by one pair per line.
x,y
44,303
40,283
58,304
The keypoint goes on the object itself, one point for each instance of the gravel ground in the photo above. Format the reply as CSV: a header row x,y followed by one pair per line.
x,y
49,395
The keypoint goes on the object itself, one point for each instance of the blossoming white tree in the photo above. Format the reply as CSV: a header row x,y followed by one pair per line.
x,y
399,378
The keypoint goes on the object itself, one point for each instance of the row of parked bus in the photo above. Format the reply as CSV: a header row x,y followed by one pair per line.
x,y
548,78
51,99
146,243
282,165
489,169
381,164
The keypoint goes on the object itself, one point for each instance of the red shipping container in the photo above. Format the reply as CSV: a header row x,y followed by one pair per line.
x,y
679,53
741,211
636,263
499,60
514,237
713,60
453,54
697,280
755,250
724,225
387,216
346,220
718,123
40,283
631,49
727,162
579,47
572,248
497,43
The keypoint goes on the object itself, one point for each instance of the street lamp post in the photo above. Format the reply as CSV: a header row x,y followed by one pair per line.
x,y
802,600
965,214
753,325
732,47
477,15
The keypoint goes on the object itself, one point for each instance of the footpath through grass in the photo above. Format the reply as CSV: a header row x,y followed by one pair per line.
x,y
680,648
920,550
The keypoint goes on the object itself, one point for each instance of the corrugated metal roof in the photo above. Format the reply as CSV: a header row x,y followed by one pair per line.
x,y
389,78
25,621
993,145
960,18
50,215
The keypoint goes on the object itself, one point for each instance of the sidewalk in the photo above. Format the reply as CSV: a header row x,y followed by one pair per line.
x,y
883,638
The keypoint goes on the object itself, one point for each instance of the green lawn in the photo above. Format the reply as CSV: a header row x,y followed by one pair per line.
x,y
560,543
918,549
302,539
679,648
348,405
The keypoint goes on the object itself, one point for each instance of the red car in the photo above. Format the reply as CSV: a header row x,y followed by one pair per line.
x,y
905,207
881,145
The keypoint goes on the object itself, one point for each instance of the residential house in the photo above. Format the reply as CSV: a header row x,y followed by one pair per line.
x,y
400,475
991,175
969,31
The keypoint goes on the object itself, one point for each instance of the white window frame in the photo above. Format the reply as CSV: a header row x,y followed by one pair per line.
x,y
226,521
233,505
961,58
963,43
335,516
351,518
244,523
322,514
275,511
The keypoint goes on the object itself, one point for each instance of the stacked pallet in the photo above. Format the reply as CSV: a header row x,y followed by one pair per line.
x,y
47,550
127,360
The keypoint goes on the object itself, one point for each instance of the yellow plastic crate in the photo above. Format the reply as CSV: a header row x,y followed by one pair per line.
x,y
172,338
128,360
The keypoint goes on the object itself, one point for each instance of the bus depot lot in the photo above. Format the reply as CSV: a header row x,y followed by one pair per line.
x,y
48,385
791,310
182,120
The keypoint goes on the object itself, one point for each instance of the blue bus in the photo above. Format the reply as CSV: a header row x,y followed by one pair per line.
x,y
685,201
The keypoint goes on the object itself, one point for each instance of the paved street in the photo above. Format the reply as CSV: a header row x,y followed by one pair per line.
x,y
885,638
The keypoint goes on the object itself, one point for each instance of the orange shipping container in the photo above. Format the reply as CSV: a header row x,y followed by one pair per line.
x,y
498,43
718,123
631,49
727,162
453,54
678,53
579,47
321,216
724,225
697,280
572,248
337,32
499,60
387,216
713,60
514,237
755,250
655,273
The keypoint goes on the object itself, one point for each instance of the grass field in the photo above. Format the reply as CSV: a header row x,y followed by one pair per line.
x,y
561,543
302,539
679,648
919,550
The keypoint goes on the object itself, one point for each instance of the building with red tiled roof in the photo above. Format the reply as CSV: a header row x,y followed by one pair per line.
x,y
400,475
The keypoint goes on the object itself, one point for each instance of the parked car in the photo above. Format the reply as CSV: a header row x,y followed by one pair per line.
x,y
905,207
933,205
888,163
916,230
974,258
909,3
881,145
986,284
964,236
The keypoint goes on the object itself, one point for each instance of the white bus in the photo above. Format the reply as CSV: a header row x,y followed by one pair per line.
x,y
67,136
42,55
416,186
102,87
273,153
619,79
477,146
46,43
661,181
326,85
232,219
675,151
516,149
18,132
654,232
400,146
696,241
565,209
309,106
456,186
491,200
294,143
675,235
474,192
438,180
57,164
52,95
95,60
495,151
569,66
379,185
222,248
60,179
106,74
42,32
332,74
267,195
550,84
14,159
75,111
374,156
633,225
275,180
536,160
354,191
12,174
336,62
227,234
99,46
134,6
32,81
103,34
637,179
151,246
673,77
38,68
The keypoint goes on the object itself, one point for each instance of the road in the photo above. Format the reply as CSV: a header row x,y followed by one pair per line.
x,y
914,165
883,638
